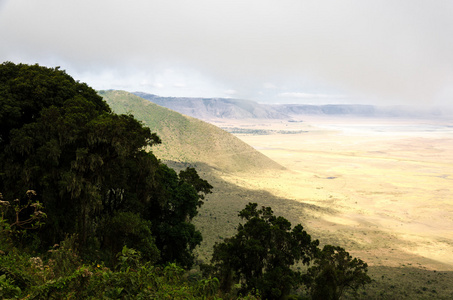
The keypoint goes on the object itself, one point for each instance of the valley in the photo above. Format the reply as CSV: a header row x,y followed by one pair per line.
x,y
380,188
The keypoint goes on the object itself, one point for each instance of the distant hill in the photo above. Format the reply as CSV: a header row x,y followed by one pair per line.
x,y
224,108
215,108
358,110
188,140
329,109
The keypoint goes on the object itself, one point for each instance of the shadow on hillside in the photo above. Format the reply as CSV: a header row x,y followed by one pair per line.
x,y
218,219
407,283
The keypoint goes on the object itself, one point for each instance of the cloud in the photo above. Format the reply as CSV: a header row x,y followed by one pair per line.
x,y
230,92
268,85
380,51
316,98
157,85
311,96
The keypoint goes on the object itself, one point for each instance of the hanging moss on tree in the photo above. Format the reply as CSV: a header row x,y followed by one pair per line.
x,y
87,165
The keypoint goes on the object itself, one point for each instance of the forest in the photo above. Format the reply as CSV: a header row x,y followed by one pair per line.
x,y
88,211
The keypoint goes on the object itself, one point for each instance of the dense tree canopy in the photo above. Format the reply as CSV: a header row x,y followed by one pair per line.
x,y
90,166
25,90
262,257
261,254
334,272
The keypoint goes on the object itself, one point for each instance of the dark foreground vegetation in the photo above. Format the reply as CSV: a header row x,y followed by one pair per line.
x,y
87,211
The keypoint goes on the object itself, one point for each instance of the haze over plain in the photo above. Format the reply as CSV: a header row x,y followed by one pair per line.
x,y
379,52
380,187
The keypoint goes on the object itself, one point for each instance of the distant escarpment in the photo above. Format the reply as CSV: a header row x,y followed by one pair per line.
x,y
209,109
189,140
214,108
329,109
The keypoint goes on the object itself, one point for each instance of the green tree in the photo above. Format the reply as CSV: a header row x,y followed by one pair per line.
x,y
130,230
334,272
178,200
190,176
261,255
68,155
87,164
25,90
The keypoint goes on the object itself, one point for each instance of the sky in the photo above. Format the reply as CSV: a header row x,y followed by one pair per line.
x,y
285,51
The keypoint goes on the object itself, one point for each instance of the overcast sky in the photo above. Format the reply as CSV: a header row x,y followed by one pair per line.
x,y
383,52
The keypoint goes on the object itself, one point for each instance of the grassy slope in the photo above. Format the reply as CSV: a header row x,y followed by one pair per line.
x,y
188,140
218,216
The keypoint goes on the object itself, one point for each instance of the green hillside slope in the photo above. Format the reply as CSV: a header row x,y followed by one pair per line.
x,y
189,140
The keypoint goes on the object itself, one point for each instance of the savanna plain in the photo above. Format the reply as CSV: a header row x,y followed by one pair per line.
x,y
380,188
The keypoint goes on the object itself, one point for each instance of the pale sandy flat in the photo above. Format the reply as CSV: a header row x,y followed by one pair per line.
x,y
388,184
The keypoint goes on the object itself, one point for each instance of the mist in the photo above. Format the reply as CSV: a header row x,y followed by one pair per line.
x,y
317,52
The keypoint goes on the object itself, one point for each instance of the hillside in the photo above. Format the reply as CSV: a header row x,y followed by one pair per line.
x,y
188,140
328,206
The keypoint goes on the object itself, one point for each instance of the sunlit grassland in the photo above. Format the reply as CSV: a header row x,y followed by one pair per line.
x,y
384,197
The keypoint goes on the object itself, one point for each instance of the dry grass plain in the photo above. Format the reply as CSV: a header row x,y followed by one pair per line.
x,y
383,189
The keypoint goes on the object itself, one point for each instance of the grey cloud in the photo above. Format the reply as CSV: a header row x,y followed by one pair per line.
x,y
386,51
311,96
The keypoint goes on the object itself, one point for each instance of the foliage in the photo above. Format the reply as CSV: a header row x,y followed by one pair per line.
x,y
128,258
179,197
7,288
26,89
127,229
190,176
14,223
23,276
334,272
16,272
261,254
33,221
91,169
63,258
